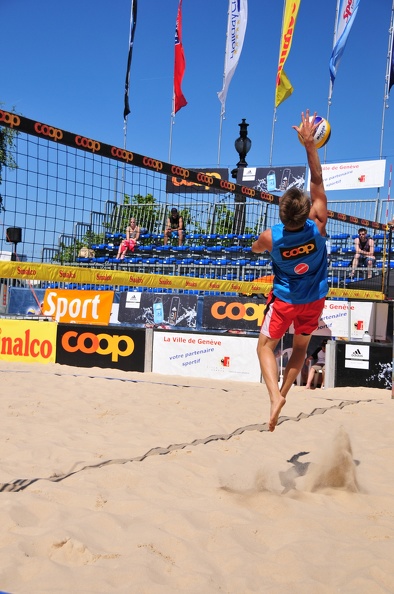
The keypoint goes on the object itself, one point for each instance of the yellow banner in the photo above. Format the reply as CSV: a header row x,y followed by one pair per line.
x,y
283,86
28,341
64,274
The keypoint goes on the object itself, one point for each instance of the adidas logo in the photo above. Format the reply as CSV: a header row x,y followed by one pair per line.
x,y
356,353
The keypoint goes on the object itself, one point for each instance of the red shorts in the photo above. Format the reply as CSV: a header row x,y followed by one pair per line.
x,y
127,244
279,316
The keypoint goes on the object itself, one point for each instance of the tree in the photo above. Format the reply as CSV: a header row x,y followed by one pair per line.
x,y
7,146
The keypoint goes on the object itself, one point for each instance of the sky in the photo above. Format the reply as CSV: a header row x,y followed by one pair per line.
x,y
64,64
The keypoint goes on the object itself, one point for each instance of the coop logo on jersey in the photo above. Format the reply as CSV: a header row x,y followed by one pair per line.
x,y
298,251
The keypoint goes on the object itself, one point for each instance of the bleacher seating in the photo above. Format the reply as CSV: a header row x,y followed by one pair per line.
x,y
222,256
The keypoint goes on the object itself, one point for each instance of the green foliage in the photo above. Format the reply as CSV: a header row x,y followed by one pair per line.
x,y
68,253
7,146
143,208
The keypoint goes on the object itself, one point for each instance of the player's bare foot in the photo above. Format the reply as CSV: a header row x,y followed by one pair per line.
x,y
276,406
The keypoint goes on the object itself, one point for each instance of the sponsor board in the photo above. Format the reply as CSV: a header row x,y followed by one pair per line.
x,y
341,319
212,356
272,179
361,364
79,307
158,309
179,181
233,313
27,341
356,175
105,347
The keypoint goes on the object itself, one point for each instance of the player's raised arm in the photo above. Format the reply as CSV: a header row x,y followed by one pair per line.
x,y
318,212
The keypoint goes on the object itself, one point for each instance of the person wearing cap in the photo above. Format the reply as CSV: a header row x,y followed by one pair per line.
x,y
174,225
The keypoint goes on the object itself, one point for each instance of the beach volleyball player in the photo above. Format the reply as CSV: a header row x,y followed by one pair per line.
x,y
299,260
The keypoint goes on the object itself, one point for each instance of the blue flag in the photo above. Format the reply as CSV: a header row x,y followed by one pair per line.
x,y
346,14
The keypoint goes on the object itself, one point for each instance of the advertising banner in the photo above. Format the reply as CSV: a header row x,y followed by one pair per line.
x,y
94,346
157,309
341,318
25,302
272,179
177,185
233,313
206,355
355,175
368,365
28,341
80,307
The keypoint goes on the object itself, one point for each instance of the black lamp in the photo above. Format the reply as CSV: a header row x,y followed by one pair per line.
x,y
242,146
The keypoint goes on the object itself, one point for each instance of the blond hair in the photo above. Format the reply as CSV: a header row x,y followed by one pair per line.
x,y
294,208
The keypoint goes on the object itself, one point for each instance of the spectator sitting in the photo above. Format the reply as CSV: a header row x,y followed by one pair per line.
x,y
364,252
319,358
132,236
174,224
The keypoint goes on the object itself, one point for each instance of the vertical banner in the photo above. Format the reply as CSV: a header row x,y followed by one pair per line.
x,y
391,79
133,23
345,18
236,28
180,63
283,86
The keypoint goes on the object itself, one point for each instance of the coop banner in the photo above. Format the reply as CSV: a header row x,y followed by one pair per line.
x,y
233,313
208,356
28,341
177,185
355,175
100,346
156,309
272,179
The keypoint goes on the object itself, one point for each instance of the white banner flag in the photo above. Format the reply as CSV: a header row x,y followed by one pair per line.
x,y
236,27
347,12
355,175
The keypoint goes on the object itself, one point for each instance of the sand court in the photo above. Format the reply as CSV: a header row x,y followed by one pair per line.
x,y
125,482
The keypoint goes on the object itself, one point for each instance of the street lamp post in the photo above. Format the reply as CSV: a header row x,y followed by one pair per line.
x,y
242,146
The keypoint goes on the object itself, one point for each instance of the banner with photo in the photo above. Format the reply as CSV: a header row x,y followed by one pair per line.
x,y
156,309
272,179
355,175
178,185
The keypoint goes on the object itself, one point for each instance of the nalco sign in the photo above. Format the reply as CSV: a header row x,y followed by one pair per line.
x,y
105,346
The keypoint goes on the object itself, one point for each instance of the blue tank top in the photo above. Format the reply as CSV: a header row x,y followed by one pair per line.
x,y
299,262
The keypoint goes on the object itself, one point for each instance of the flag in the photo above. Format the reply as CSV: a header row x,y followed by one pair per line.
x,y
236,27
283,86
180,63
391,80
345,18
133,22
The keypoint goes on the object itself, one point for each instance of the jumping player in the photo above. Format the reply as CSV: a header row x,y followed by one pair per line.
x,y
299,260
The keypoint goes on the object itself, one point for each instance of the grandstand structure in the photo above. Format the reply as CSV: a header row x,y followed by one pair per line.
x,y
68,191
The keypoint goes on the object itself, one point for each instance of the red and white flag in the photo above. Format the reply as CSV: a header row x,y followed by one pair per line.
x,y
180,63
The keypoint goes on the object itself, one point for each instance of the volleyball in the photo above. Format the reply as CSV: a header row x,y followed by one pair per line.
x,y
322,132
